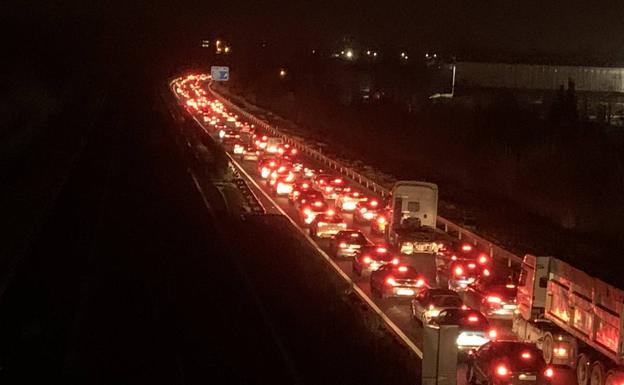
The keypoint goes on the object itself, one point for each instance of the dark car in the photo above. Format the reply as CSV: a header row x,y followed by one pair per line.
x,y
462,274
508,362
494,296
347,243
428,304
371,257
396,281
327,225
474,328
366,211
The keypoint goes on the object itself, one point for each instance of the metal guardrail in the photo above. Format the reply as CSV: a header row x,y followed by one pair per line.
x,y
495,251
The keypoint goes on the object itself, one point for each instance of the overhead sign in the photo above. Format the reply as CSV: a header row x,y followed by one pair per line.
x,y
220,74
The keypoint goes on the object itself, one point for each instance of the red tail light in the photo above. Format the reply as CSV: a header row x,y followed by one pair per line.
x,y
330,212
391,282
420,283
402,269
466,247
367,260
381,220
459,270
525,355
373,203
492,334
395,261
342,245
483,259
502,371
318,204
486,272
381,250
549,372
472,265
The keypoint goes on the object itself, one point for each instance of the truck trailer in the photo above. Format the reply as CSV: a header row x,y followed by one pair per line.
x,y
574,319
413,214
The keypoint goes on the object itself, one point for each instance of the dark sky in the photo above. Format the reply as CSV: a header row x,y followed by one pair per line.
x,y
550,26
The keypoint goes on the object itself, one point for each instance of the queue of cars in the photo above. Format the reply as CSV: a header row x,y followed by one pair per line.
x,y
466,292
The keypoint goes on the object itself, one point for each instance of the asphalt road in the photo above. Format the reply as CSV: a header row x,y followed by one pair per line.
x,y
398,310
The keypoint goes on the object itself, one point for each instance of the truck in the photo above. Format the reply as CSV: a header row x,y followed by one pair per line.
x,y
411,224
575,319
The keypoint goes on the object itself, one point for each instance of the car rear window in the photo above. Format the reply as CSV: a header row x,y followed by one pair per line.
x,y
447,301
507,293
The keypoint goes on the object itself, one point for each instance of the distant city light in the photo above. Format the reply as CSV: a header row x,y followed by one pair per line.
x,y
226,49
349,54
282,73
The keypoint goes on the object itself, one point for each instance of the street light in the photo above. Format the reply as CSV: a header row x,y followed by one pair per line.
x,y
349,54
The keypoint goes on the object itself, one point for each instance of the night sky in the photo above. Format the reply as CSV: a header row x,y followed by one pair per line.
x,y
571,27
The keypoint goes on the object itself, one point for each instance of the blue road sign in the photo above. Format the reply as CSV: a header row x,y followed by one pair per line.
x,y
220,74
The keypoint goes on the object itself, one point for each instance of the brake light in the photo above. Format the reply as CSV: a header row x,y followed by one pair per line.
x,y
486,272
459,270
560,351
473,318
492,334
454,258
330,212
363,210
320,224
472,265
271,164
338,180
328,188
502,371
464,307
483,259
305,185
381,250
494,299
381,220
342,245
510,286
402,269
420,283
374,203
390,281
318,204
549,372
395,261
525,355
307,211
466,248
366,260
281,169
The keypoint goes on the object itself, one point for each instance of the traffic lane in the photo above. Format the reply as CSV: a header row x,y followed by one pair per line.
x,y
397,310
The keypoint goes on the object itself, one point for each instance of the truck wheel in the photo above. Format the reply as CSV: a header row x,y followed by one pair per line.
x,y
547,348
597,374
582,369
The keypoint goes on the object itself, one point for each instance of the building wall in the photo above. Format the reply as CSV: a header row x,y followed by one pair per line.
x,y
539,77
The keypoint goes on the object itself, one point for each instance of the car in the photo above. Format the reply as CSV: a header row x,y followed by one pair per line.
x,y
326,225
333,187
260,141
371,257
251,153
428,304
378,226
348,199
346,243
396,281
283,169
238,148
301,188
508,362
311,208
451,251
321,179
461,274
282,184
366,211
474,328
273,144
228,133
494,296
266,166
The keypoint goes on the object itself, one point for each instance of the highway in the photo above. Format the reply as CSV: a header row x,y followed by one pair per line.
x,y
397,311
